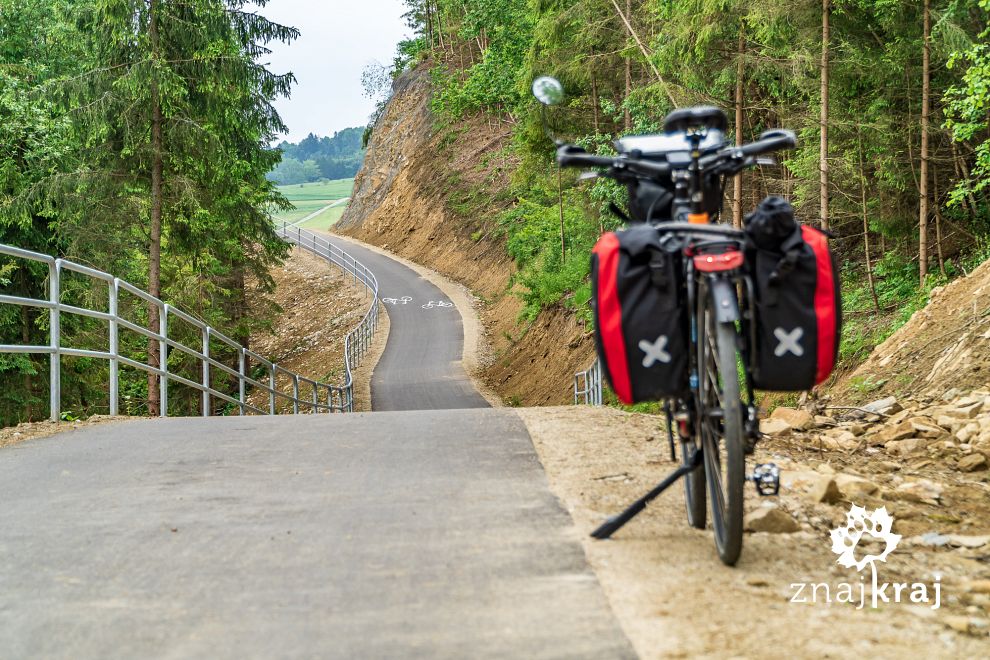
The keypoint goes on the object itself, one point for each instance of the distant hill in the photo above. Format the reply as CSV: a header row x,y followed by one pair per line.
x,y
316,158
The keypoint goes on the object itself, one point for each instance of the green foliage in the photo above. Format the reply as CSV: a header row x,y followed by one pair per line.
x,y
483,57
969,109
547,273
896,282
315,158
78,84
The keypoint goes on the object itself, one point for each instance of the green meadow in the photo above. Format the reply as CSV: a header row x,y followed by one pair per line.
x,y
307,198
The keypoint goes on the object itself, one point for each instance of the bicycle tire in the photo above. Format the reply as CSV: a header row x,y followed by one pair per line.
x,y
694,488
721,430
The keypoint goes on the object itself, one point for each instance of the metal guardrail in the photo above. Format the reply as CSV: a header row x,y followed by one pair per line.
x,y
322,397
358,341
588,385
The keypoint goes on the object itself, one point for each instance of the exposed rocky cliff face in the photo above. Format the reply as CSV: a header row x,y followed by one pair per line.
x,y
410,198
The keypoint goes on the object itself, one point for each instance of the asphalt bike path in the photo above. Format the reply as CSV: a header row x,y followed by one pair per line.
x,y
428,534
421,366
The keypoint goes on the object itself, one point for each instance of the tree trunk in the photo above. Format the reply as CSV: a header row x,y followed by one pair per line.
x,y
594,103
923,176
937,207
866,227
560,206
155,240
963,172
627,121
823,161
737,213
429,22
628,114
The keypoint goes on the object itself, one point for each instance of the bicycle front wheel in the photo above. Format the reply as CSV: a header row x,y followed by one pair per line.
x,y
721,428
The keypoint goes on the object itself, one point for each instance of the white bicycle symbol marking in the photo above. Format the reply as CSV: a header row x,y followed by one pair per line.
x,y
404,300
439,303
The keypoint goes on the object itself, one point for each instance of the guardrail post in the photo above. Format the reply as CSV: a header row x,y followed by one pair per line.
x,y
242,384
163,360
271,389
114,348
206,371
55,337
295,394
598,382
316,398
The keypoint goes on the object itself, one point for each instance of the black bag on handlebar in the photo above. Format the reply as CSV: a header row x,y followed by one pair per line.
x,y
798,301
652,201
649,201
640,321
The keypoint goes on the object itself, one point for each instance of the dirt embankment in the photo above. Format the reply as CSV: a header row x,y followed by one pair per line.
x,y
943,346
405,199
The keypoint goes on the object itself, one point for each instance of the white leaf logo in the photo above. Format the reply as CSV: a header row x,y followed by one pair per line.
x,y
877,524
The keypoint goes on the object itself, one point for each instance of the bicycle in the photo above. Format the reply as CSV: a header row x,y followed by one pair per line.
x,y
717,423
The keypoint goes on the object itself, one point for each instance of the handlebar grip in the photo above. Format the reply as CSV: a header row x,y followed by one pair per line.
x,y
777,140
571,156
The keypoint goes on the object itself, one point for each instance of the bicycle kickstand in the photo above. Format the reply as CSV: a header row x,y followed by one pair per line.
x,y
615,523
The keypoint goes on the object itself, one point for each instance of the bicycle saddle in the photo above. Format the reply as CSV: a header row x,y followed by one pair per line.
x,y
703,116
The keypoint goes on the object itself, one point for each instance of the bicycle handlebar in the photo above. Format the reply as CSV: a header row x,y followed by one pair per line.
x,y
776,140
572,156
736,157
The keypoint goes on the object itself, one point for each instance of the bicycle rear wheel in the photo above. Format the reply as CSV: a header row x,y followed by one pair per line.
x,y
721,428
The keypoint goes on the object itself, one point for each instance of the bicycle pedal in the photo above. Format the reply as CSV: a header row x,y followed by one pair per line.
x,y
766,478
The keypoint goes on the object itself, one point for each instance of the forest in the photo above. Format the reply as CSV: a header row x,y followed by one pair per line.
x,y
315,158
134,137
890,100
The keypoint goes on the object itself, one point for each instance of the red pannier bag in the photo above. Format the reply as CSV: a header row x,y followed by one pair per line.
x,y
637,299
799,312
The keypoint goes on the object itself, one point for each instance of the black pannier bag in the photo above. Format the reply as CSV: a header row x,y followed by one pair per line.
x,y
798,300
640,322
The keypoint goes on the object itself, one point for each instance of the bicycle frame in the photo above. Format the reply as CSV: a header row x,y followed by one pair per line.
x,y
733,289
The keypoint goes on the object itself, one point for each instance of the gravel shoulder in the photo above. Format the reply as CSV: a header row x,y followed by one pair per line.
x,y
674,598
13,435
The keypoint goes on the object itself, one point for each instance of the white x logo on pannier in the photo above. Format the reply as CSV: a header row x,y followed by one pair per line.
x,y
790,342
654,352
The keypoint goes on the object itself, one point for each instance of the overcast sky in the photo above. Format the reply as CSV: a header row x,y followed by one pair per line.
x,y
339,39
